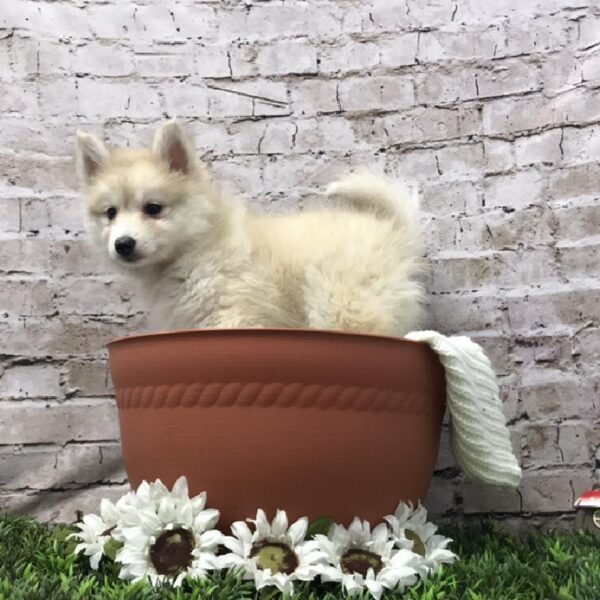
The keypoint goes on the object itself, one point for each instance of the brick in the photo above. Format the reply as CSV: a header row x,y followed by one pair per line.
x,y
462,271
450,198
85,464
484,499
587,347
30,381
26,298
263,23
356,56
376,93
574,182
561,72
542,446
577,441
332,134
496,229
552,394
446,87
548,491
250,59
314,96
53,216
542,148
387,17
212,60
59,506
78,257
552,310
416,165
95,297
518,190
33,423
507,77
579,261
58,337
464,314
53,467
38,173
589,32
463,43
109,99
88,378
45,18
183,100
578,223
441,497
460,162
24,256
542,34
410,127
32,468
581,145
532,112
10,218
499,155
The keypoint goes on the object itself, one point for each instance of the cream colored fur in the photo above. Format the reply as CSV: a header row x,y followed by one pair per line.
x,y
208,261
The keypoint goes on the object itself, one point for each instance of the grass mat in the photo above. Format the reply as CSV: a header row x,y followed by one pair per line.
x,y
37,564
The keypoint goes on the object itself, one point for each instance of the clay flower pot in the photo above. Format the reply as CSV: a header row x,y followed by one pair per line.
x,y
316,423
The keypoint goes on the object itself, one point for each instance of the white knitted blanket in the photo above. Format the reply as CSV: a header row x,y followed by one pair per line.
x,y
479,436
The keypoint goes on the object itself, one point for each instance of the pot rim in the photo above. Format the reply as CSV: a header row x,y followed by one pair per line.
x,y
277,331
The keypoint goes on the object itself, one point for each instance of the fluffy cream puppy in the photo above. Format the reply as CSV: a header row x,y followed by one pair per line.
x,y
205,260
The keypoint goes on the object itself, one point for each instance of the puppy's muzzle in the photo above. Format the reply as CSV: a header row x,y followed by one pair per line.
x,y
125,246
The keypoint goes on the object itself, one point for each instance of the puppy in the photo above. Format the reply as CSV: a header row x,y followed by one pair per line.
x,y
206,261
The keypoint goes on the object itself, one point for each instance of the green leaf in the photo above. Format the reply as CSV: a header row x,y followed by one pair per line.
x,y
320,526
111,548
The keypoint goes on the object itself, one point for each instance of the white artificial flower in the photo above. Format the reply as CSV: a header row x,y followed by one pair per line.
x,y
410,527
359,558
96,531
273,554
166,535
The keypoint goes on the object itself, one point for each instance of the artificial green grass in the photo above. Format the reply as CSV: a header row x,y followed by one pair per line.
x,y
36,563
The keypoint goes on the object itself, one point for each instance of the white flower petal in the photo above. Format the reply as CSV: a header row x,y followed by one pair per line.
x,y
297,531
279,525
198,502
263,528
375,588
241,531
209,540
166,510
180,489
206,519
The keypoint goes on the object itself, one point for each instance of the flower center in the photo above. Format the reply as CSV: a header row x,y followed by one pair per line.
x,y
278,557
357,560
418,545
172,552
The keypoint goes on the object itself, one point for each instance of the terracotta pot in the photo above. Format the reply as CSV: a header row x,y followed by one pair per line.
x,y
316,423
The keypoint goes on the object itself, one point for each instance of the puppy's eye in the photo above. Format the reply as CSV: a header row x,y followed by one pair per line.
x,y
111,213
152,209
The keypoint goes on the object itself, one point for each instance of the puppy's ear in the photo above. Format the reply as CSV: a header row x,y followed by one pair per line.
x,y
173,146
91,155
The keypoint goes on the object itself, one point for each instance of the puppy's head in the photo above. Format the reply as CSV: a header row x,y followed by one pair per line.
x,y
144,206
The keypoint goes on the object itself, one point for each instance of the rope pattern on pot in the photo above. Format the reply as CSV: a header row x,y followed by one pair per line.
x,y
256,394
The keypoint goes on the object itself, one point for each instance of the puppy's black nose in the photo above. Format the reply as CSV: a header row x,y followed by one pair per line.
x,y
125,245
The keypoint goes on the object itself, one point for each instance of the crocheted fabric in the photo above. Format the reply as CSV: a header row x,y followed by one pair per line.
x,y
479,436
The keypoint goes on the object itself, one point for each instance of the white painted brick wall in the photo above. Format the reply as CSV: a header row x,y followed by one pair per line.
x,y
492,107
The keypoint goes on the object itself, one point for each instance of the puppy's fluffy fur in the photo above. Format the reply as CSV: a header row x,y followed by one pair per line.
x,y
207,261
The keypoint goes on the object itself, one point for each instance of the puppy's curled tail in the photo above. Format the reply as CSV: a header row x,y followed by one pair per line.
x,y
366,192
